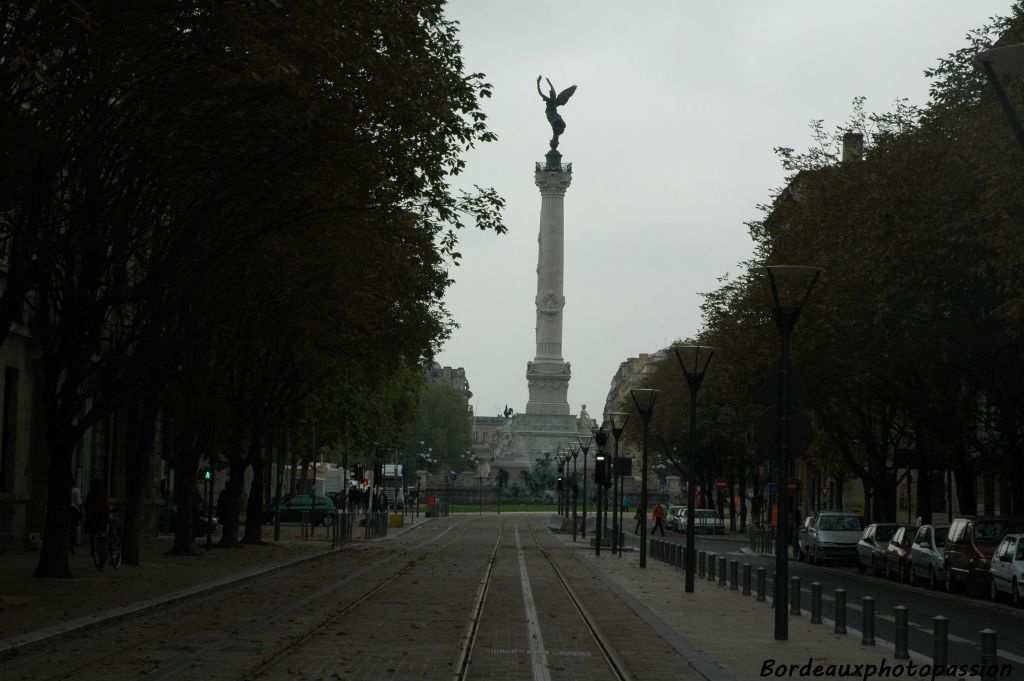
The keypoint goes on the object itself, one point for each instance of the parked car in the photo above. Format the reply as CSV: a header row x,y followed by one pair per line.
x,y
673,517
168,518
872,545
969,548
1008,570
833,535
926,555
292,508
705,521
897,554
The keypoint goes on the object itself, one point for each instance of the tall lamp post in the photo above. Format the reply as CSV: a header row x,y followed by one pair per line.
x,y
1008,61
694,359
574,450
791,286
617,422
600,480
584,442
561,479
644,398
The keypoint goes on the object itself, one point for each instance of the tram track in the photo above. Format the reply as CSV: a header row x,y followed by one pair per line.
x,y
540,671
186,654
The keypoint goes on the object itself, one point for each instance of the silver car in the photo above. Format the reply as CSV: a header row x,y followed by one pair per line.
x,y
872,545
674,518
927,555
1008,569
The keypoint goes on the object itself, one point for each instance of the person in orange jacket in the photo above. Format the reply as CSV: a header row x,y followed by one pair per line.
x,y
659,515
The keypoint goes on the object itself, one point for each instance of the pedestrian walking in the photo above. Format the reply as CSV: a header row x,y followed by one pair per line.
x,y
625,504
76,513
659,515
640,516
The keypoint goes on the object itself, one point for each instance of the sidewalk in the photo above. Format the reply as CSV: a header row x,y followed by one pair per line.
x,y
32,609
727,636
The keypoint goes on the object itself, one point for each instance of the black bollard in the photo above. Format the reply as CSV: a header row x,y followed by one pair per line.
x,y
701,560
734,572
940,640
840,600
868,625
989,655
746,579
901,628
721,570
711,567
815,602
761,580
794,596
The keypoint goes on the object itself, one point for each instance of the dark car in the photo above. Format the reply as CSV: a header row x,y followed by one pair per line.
x,y
969,548
293,508
872,546
897,554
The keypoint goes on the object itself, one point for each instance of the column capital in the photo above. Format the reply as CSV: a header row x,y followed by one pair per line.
x,y
553,181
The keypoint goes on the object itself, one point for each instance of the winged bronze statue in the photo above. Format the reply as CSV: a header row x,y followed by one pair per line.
x,y
552,102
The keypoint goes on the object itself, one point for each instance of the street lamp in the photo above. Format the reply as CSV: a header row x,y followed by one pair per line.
x,y
601,480
584,442
694,360
617,423
791,287
644,398
1008,61
560,487
574,450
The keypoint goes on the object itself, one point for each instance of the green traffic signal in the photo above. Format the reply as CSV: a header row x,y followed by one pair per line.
x,y
207,474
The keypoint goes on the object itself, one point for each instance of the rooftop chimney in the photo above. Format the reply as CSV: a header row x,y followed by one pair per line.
x,y
853,146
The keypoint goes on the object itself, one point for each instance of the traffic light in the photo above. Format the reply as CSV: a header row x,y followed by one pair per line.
x,y
357,472
559,485
378,472
599,469
207,474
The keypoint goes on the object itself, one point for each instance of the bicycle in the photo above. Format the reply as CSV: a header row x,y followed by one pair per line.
x,y
106,547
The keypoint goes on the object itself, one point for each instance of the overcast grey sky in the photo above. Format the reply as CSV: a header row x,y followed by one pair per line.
x,y
670,134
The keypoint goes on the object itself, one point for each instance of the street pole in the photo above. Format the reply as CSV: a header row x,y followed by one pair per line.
x,y
617,421
585,441
644,399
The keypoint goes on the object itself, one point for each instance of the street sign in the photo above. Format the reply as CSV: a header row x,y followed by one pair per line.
x,y
663,481
453,476
773,488
721,483
824,490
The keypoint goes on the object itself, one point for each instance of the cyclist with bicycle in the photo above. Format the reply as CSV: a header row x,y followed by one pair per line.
x,y
97,512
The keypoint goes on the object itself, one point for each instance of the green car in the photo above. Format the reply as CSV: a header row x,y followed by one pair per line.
x,y
292,508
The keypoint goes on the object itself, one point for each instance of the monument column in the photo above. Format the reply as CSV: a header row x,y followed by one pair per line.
x,y
548,374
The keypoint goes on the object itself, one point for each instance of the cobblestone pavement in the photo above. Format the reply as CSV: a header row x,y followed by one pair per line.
x,y
479,593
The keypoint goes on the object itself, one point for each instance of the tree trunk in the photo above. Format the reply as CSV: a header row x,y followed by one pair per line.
x,y
254,507
53,557
186,463
233,496
988,481
143,429
924,495
966,490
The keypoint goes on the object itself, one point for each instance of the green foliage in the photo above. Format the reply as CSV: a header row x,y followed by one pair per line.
x,y
442,424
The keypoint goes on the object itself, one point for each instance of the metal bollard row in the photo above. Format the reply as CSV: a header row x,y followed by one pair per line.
x,y
734,570
701,560
721,570
711,567
746,579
